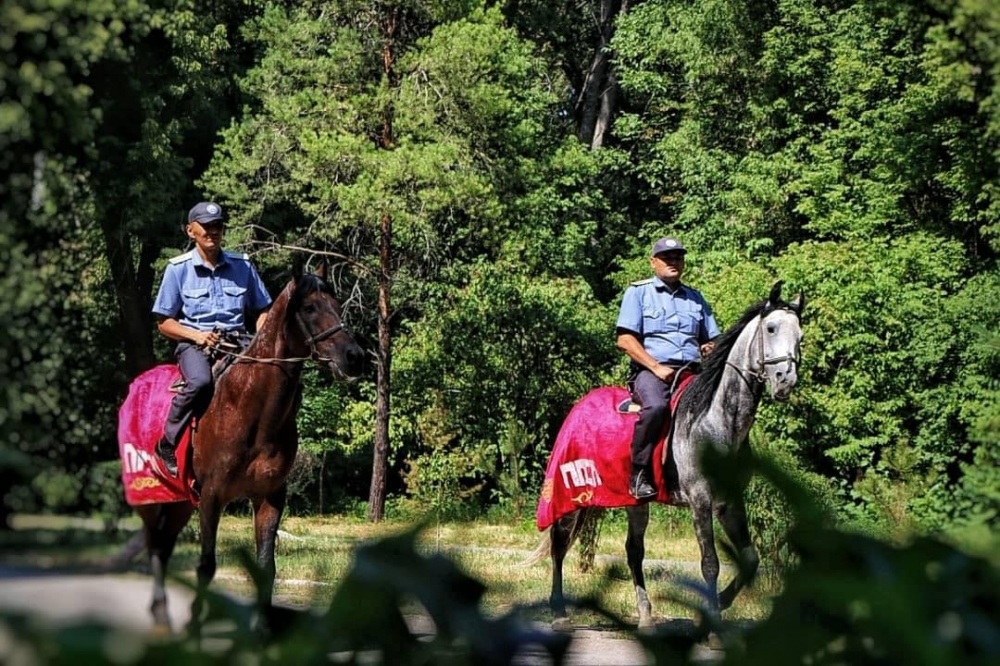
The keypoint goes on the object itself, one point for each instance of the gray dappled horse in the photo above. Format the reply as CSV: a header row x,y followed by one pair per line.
x,y
716,412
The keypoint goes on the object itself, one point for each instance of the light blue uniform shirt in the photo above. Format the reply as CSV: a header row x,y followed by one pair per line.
x,y
202,298
672,325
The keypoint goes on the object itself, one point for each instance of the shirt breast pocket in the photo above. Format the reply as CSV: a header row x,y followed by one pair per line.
x,y
233,298
690,316
196,302
658,320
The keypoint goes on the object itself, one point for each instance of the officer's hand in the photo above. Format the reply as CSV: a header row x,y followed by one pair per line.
x,y
664,372
707,348
207,338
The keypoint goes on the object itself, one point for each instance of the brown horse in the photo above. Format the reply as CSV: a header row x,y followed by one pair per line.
x,y
247,439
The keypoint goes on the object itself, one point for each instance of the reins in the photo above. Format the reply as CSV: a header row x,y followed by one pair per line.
x,y
241,357
310,339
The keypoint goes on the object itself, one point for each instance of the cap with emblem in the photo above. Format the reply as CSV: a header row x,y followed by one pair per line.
x,y
668,245
206,211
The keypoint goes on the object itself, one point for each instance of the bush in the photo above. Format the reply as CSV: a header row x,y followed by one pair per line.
x,y
15,470
58,490
102,493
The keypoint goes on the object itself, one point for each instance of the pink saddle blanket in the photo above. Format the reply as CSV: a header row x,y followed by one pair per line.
x,y
140,427
591,460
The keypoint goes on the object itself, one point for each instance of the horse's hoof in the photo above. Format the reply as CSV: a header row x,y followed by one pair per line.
x,y
646,624
562,624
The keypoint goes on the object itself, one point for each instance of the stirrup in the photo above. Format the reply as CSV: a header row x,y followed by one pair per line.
x,y
628,406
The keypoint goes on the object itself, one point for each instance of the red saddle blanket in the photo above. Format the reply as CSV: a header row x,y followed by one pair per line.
x,y
591,460
140,427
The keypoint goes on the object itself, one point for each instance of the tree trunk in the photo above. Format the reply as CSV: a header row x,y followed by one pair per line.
x,y
598,97
609,100
135,319
383,388
380,459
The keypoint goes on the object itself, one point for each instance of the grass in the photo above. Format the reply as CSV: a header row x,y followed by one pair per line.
x,y
314,553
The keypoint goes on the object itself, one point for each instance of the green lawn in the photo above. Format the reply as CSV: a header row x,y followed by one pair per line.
x,y
315,552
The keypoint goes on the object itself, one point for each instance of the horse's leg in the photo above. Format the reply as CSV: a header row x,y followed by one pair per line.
x,y
152,526
561,538
266,517
161,525
700,499
733,518
210,510
635,550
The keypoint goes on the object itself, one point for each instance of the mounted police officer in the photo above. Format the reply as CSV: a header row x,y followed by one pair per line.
x,y
664,326
205,293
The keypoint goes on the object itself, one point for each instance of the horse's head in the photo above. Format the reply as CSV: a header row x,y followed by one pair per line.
x,y
317,316
779,333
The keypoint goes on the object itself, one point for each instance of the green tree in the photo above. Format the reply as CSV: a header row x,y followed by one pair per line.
x,y
110,106
486,377
160,106
401,173
846,148
54,404
885,386
977,500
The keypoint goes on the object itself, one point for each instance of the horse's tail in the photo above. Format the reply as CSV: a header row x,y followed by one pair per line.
x,y
542,550
583,525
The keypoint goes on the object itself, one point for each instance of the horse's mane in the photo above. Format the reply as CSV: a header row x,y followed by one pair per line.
x,y
699,394
306,284
284,306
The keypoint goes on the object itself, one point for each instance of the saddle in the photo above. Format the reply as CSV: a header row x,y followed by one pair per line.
x,y
679,383
221,355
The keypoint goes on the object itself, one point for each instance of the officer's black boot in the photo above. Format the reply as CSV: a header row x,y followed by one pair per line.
x,y
165,451
640,487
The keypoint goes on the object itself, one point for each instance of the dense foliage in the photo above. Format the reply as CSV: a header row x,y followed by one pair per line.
x,y
851,149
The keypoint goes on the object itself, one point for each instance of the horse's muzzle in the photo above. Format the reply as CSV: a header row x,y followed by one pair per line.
x,y
350,366
782,391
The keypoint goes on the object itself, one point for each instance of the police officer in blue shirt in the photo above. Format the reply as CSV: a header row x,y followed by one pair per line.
x,y
204,292
663,326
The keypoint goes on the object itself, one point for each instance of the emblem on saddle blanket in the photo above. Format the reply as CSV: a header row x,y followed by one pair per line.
x,y
591,460
140,426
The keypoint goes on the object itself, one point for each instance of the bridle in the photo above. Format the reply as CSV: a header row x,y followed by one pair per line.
x,y
763,361
312,340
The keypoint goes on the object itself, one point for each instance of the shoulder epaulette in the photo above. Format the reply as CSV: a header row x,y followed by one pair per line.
x,y
182,257
639,283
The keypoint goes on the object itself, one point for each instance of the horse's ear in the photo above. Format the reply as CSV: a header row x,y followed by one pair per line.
x,y
322,270
798,304
775,296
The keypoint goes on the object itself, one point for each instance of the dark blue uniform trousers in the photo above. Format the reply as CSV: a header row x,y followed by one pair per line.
x,y
194,396
653,395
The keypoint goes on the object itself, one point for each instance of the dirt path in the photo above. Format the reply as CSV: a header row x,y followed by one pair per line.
x,y
123,600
